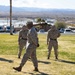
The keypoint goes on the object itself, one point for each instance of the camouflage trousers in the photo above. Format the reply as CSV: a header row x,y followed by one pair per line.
x,y
22,44
30,52
54,44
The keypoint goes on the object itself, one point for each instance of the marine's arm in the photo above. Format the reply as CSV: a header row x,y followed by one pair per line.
x,y
48,38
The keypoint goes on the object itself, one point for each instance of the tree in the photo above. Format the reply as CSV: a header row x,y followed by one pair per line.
x,y
60,25
40,20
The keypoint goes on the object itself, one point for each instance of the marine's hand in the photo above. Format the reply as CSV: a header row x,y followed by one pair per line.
x,y
37,45
47,43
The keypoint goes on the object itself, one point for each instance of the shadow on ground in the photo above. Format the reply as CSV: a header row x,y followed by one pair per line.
x,y
6,60
40,61
45,62
66,61
37,73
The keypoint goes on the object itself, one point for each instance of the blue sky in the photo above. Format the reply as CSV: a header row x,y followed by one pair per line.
x,y
65,4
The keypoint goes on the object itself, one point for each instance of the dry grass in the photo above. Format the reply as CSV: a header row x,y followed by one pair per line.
x,y
46,67
64,66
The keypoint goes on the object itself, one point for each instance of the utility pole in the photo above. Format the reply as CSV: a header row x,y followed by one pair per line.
x,y
11,32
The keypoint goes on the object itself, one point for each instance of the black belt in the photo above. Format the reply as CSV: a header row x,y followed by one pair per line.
x,y
24,38
53,39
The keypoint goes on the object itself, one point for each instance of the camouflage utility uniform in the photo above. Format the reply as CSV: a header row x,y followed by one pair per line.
x,y
32,44
22,39
31,49
52,36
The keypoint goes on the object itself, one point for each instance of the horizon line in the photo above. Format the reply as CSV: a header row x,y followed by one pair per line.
x,y
39,7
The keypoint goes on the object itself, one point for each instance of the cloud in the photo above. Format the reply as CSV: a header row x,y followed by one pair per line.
x,y
41,3
26,3
23,3
4,2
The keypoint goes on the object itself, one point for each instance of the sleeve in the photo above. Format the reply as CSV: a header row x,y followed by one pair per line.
x,y
19,37
48,37
59,34
33,36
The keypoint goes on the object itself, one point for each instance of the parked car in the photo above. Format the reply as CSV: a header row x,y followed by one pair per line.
x,y
61,30
8,28
73,31
41,31
2,29
67,30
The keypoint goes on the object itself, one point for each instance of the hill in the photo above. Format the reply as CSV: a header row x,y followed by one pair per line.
x,y
37,12
34,9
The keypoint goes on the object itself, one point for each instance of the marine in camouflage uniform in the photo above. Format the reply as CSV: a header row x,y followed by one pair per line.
x,y
22,39
52,36
32,41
